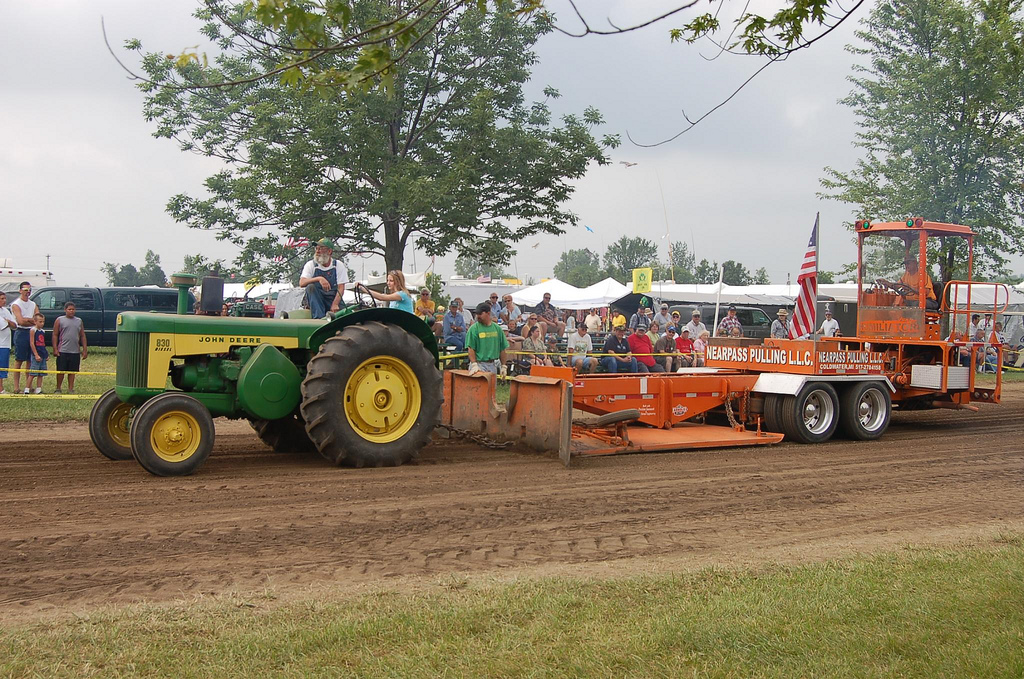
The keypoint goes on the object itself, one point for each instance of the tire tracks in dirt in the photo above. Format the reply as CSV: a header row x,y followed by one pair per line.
x,y
80,530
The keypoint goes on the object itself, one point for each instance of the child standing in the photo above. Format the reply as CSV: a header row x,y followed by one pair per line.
x,y
37,341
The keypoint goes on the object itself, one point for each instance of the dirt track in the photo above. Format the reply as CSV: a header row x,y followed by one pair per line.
x,y
79,530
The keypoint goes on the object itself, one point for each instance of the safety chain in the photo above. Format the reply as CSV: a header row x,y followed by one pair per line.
x,y
728,411
475,438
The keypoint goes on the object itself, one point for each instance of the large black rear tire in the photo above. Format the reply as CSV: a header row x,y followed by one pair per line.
x,y
812,415
372,396
286,435
773,412
865,409
110,426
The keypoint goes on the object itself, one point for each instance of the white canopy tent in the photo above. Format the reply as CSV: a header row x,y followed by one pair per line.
x,y
561,293
599,294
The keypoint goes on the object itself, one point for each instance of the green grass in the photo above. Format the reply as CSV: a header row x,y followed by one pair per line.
x,y
101,359
912,613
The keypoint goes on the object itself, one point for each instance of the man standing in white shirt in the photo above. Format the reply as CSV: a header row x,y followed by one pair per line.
x,y
24,310
580,344
830,326
7,327
695,327
323,277
972,328
986,325
593,321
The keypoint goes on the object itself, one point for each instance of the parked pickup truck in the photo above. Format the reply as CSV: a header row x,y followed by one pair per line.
x,y
98,307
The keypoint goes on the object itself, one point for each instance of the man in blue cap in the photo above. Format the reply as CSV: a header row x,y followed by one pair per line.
x,y
323,277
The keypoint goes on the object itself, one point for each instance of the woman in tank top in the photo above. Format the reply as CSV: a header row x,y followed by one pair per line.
x,y
398,297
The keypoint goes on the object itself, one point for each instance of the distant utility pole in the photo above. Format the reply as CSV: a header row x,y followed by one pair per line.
x,y
47,263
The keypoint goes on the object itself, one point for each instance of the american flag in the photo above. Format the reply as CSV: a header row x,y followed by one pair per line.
x,y
296,242
807,301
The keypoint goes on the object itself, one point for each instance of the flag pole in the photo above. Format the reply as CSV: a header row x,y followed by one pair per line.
x,y
817,262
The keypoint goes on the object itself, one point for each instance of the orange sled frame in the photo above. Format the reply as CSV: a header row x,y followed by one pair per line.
x,y
539,413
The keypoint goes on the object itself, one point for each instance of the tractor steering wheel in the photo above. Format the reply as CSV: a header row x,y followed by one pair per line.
x,y
900,288
362,294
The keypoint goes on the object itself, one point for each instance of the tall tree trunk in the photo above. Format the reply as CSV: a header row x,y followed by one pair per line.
x,y
394,246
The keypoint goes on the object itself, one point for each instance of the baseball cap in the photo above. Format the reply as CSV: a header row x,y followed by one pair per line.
x,y
696,312
325,243
732,307
670,328
483,308
664,306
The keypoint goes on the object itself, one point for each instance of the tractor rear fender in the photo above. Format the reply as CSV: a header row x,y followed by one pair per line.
x,y
403,319
790,385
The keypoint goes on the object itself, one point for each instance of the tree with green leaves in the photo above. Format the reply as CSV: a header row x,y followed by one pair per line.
x,y
579,267
435,283
706,272
470,266
200,265
734,273
682,263
761,277
127,275
450,158
940,104
628,253
306,39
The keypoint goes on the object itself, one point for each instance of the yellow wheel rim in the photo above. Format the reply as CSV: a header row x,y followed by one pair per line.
x,y
175,436
382,399
119,424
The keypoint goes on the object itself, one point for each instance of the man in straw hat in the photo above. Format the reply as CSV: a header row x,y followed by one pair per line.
x,y
780,326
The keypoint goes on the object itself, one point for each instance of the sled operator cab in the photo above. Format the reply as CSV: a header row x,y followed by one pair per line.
x,y
898,296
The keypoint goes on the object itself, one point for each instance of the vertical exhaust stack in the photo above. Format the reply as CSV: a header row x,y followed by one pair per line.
x,y
183,281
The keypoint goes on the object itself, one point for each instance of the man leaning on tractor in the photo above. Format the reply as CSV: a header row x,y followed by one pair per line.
x,y
323,278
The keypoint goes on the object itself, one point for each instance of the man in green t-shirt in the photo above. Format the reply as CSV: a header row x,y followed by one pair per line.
x,y
486,343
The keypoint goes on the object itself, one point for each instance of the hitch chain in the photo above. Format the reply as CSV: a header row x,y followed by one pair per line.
x,y
475,438
728,411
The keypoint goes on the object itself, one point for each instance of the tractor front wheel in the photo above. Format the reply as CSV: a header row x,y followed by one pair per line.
x,y
372,396
812,415
286,435
110,426
172,434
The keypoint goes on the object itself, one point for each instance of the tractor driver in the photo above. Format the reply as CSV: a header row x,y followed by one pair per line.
x,y
907,285
323,278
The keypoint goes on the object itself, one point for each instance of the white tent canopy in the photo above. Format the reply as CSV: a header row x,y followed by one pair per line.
x,y
561,293
599,294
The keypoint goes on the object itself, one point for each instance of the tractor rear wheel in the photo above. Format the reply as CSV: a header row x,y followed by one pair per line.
x,y
864,410
372,396
172,434
812,415
110,426
286,435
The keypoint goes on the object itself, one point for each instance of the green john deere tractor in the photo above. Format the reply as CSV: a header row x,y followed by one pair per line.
x,y
363,388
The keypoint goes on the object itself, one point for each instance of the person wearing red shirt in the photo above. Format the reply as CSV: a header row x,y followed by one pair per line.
x,y
642,349
685,345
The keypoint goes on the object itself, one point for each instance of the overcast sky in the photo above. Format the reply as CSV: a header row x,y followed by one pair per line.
x,y
83,180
